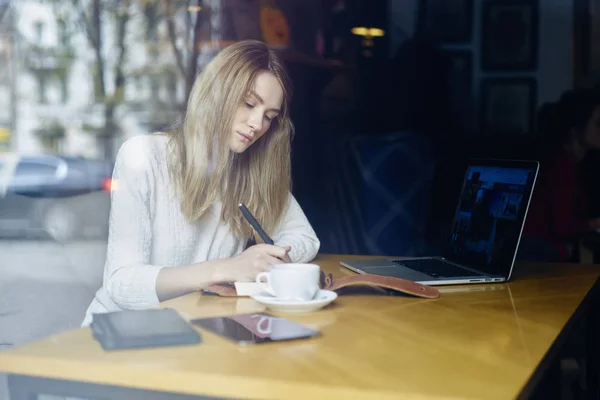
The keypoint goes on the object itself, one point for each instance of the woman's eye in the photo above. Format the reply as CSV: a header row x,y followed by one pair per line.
x,y
268,118
249,105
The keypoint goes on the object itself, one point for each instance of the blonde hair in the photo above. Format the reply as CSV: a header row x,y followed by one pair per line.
x,y
202,166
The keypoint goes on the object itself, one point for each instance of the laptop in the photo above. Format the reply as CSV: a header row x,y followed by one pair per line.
x,y
485,234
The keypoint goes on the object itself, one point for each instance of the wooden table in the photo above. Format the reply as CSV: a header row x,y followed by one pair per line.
x,y
474,342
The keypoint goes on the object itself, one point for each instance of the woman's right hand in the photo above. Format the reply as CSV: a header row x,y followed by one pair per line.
x,y
252,261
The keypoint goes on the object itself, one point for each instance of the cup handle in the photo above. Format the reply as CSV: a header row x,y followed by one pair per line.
x,y
264,284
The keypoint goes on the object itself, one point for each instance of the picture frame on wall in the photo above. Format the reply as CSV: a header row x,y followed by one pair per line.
x,y
586,43
447,21
508,106
510,35
461,66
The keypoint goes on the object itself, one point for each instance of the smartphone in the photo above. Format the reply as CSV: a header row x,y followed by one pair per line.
x,y
247,329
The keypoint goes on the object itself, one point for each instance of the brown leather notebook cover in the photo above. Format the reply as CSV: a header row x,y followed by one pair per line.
x,y
379,282
346,284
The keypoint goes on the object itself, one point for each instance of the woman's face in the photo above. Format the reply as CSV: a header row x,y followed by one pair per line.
x,y
254,116
592,131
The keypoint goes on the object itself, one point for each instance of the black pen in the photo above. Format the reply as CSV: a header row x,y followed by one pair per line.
x,y
250,218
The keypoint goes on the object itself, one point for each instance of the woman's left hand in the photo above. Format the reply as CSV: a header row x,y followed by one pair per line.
x,y
286,258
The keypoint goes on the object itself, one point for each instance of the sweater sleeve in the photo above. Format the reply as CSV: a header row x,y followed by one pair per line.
x,y
294,230
129,279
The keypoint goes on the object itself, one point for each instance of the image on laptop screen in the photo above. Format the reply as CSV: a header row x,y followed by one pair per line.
x,y
490,215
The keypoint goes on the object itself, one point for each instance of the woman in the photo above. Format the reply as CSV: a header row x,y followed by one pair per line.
x,y
558,213
175,226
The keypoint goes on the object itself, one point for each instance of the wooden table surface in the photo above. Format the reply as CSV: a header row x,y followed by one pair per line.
x,y
474,342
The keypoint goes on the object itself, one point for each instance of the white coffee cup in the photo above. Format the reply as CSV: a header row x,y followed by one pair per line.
x,y
291,281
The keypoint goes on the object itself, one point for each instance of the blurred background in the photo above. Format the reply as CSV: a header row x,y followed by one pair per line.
x,y
391,96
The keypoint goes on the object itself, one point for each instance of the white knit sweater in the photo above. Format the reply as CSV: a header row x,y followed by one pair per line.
x,y
148,232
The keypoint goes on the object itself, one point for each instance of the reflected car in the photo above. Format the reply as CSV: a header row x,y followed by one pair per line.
x,y
67,198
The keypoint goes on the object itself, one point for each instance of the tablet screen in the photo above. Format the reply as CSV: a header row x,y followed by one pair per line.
x,y
255,328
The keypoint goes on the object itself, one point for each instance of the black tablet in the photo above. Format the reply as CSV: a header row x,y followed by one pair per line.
x,y
130,329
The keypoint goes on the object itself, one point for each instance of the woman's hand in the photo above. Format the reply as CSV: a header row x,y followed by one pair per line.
x,y
286,259
251,262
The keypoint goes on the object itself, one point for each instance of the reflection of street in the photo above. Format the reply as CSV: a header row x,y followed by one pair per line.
x,y
45,288
48,261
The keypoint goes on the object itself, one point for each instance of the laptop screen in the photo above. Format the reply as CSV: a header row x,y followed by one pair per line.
x,y
490,215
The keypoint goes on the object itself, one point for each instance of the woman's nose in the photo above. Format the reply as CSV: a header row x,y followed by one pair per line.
x,y
255,121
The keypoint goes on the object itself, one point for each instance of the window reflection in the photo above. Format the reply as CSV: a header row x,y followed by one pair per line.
x,y
77,78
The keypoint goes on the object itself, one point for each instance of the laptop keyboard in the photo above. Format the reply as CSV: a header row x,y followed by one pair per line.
x,y
436,268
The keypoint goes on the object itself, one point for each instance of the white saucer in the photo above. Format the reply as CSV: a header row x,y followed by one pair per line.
x,y
323,298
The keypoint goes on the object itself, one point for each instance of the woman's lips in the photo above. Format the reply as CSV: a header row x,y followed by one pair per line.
x,y
245,138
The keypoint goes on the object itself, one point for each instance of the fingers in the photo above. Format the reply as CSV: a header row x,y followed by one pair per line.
x,y
273,260
273,250
287,258
246,278
249,273
262,256
263,262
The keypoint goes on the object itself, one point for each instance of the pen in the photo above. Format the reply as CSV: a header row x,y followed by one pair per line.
x,y
250,218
